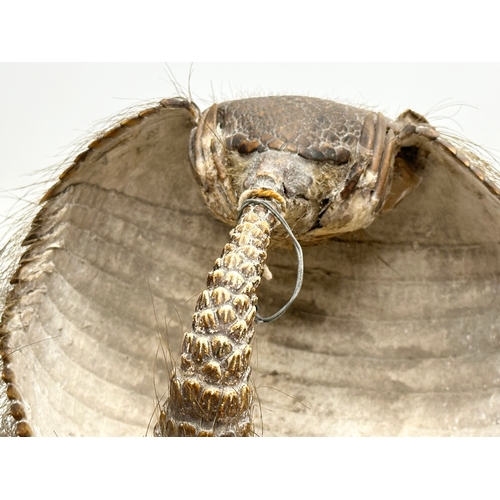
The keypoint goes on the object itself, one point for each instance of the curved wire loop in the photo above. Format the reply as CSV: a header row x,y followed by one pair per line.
x,y
298,250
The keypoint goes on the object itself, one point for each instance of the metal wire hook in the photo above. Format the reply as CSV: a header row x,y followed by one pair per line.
x,y
298,250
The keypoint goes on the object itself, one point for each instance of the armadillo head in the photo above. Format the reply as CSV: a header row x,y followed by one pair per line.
x,y
331,163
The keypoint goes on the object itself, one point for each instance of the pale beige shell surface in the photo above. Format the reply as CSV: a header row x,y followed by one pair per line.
x,y
395,332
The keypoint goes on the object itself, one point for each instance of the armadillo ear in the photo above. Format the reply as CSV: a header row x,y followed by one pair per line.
x,y
442,193
117,238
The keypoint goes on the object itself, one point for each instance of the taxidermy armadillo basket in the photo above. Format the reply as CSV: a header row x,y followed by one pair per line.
x,y
111,326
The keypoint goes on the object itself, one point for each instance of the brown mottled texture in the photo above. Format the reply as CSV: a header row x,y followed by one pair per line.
x,y
210,392
326,130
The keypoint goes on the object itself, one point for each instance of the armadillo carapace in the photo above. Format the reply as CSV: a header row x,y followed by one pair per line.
x,y
395,330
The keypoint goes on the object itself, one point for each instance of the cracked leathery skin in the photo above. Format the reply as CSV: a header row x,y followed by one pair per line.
x,y
396,328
